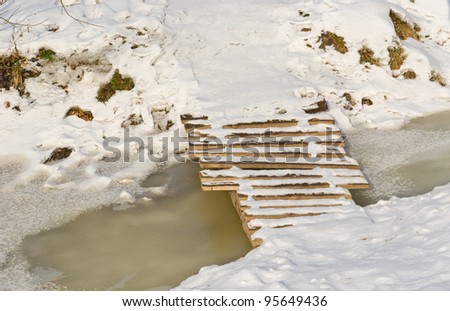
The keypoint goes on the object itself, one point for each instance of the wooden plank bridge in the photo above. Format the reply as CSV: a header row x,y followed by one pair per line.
x,y
275,168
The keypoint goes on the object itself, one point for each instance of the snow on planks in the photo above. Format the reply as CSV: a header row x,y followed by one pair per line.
x,y
275,168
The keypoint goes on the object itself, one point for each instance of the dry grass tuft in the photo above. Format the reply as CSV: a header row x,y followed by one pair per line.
x,y
397,57
366,101
366,55
328,38
350,102
85,115
12,71
58,154
117,83
402,28
436,77
409,74
132,120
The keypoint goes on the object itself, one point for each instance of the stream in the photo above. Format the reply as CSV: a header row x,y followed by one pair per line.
x,y
157,244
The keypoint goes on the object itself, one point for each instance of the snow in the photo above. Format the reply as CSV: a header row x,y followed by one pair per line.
x,y
221,58
402,246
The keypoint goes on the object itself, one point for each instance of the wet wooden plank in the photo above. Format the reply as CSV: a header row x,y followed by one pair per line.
x,y
267,165
296,196
315,121
262,124
287,155
199,145
190,117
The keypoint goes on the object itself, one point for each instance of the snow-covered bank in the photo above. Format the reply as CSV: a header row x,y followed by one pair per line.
x,y
403,245
267,57
216,57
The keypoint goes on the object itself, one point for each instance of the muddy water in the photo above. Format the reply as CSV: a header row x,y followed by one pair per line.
x,y
153,245
406,162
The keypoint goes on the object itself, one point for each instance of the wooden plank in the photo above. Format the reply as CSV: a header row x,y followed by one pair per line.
x,y
199,145
232,174
196,126
247,217
262,124
270,154
304,185
235,201
220,178
190,117
234,186
315,121
271,133
297,196
220,186
267,165
195,134
249,232
244,207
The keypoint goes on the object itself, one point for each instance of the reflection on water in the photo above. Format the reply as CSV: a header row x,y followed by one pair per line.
x,y
154,245
406,162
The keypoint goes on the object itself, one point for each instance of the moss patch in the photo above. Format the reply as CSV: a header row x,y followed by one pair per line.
x,y
85,115
328,38
46,54
117,83
397,57
436,77
402,28
366,55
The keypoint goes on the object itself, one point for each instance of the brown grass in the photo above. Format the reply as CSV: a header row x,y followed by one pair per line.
x,y
328,38
397,57
132,120
366,55
58,154
409,74
350,101
403,29
12,71
85,115
436,77
366,101
117,83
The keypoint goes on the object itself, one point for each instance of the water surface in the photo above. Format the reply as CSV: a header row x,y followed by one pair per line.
x,y
153,245
410,161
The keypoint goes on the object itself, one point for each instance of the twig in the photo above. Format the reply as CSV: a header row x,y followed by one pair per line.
x,y
8,20
77,19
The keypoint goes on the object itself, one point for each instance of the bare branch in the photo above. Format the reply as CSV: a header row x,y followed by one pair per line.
x,y
8,20
77,19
